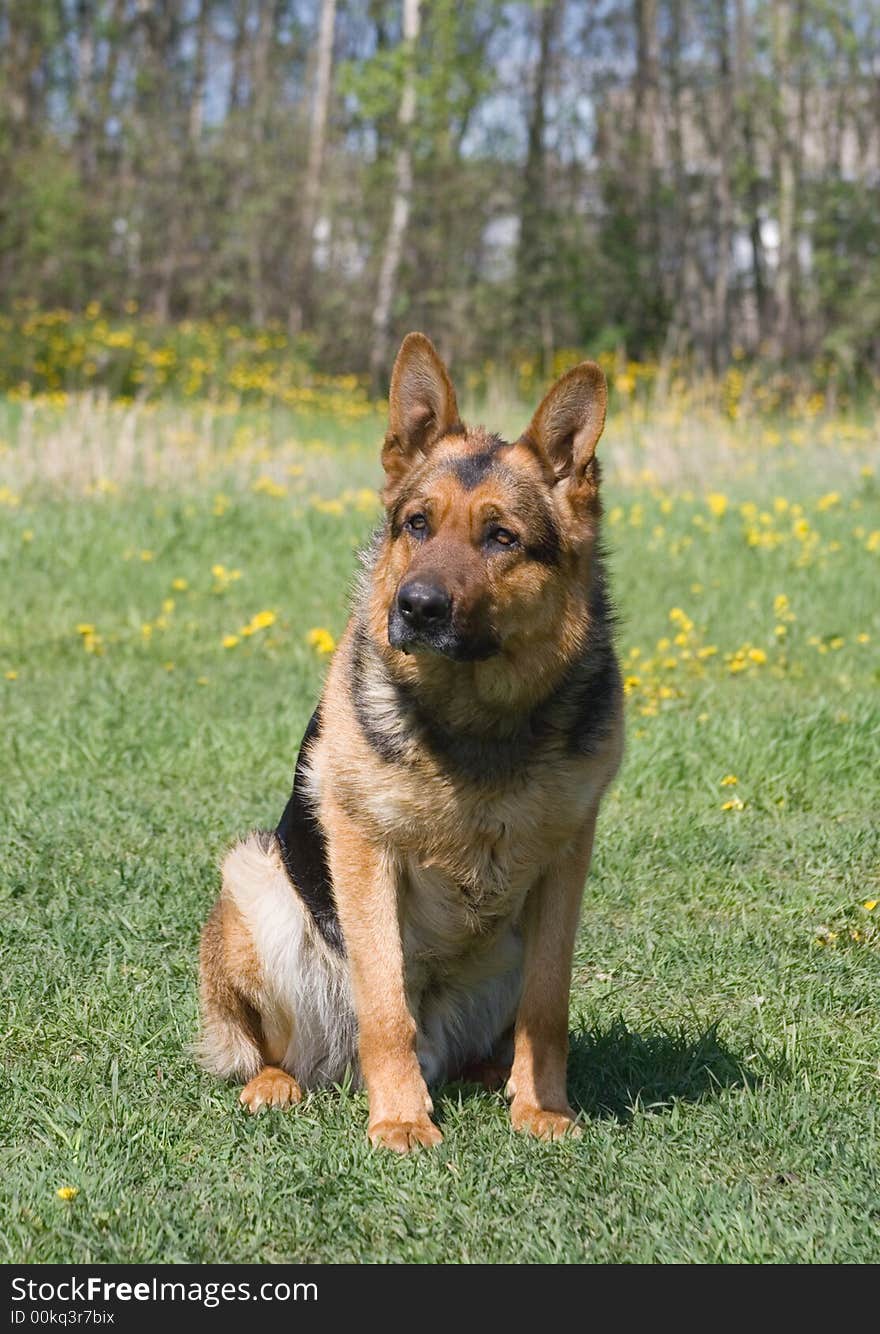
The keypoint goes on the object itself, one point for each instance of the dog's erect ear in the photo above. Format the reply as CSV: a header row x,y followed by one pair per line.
x,y
421,406
569,421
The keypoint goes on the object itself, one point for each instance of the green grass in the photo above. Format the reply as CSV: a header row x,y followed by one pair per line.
x,y
726,1062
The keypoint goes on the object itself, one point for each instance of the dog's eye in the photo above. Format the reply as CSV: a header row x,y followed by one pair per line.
x,y
416,523
503,537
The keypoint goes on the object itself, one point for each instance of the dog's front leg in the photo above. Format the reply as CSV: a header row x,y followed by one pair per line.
x,y
537,1082
365,883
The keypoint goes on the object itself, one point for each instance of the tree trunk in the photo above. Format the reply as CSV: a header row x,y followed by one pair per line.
x,y
401,199
720,332
258,112
300,308
647,91
85,89
531,320
753,186
648,156
787,182
239,52
197,98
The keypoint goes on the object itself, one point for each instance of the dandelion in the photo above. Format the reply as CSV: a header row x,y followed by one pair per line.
x,y
828,501
321,640
267,486
27,535
147,555
230,641
757,655
85,628
11,675
729,780
717,504
179,585
733,805
201,680
863,638
869,905
263,620
67,1192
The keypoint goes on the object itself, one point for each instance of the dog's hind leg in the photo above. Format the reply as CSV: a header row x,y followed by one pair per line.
x,y
243,1033
275,1001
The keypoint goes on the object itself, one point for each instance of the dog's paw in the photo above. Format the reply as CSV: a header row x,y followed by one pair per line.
x,y
270,1088
403,1136
543,1124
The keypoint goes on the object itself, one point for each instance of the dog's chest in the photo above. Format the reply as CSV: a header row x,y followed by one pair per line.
x,y
476,861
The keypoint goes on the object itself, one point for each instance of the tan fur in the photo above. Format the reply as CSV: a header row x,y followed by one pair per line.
x,y
458,896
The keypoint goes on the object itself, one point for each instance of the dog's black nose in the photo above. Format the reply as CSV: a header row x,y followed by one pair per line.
x,y
424,605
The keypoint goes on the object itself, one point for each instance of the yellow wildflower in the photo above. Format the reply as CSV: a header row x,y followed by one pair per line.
x,y
321,640
758,655
733,805
729,780
869,905
179,585
67,1192
717,503
11,675
230,641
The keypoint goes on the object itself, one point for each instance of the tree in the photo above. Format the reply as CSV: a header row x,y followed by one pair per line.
x,y
301,305
401,197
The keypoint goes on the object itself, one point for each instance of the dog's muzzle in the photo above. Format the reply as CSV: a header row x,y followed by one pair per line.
x,y
422,618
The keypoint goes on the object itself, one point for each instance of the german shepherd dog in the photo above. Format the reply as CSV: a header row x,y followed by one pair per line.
x,y
412,919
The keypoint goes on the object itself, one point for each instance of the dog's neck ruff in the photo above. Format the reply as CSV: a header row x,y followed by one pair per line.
x,y
575,717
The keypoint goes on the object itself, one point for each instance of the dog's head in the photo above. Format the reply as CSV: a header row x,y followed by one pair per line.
x,y
487,542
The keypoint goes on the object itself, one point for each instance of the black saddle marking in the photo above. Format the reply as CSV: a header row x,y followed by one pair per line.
x,y
304,848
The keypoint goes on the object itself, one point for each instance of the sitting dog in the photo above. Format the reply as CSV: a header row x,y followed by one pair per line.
x,y
412,919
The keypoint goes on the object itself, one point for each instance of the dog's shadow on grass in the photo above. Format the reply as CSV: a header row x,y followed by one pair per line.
x,y
616,1073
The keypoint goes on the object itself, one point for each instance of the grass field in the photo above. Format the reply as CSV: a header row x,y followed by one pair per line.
x,y
156,669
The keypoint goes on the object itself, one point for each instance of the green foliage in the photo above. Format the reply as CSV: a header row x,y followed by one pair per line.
x,y
565,192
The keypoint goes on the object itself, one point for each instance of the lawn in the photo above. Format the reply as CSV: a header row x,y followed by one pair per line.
x,y
156,673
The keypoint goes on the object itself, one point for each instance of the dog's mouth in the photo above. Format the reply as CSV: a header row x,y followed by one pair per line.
x,y
446,640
